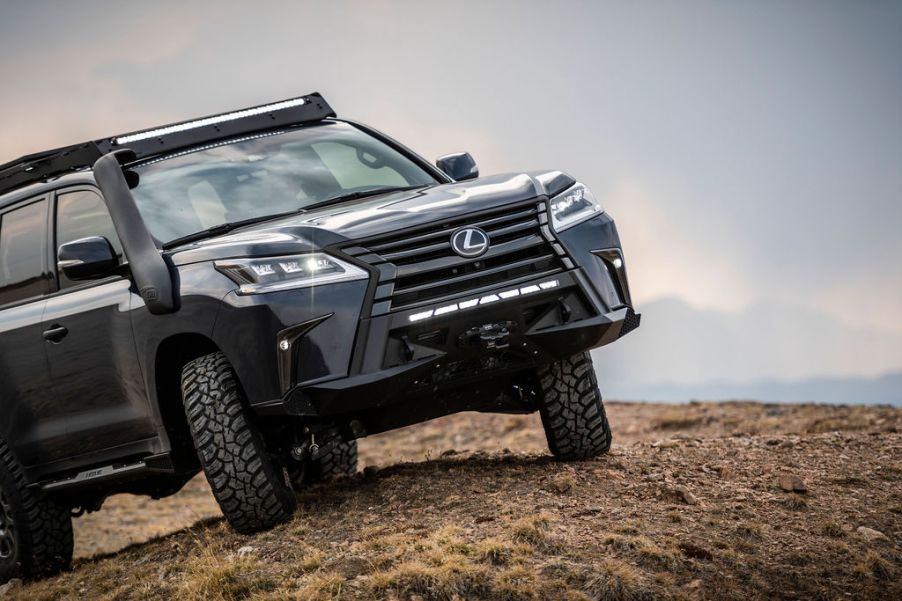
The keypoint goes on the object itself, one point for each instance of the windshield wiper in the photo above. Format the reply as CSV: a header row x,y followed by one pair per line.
x,y
224,228
360,194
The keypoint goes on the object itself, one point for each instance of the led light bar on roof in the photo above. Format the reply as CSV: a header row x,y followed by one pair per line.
x,y
180,127
483,300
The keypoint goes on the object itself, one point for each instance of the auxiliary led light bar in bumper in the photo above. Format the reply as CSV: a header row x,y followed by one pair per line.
x,y
484,300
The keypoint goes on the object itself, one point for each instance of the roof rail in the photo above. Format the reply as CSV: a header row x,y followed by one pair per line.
x,y
148,143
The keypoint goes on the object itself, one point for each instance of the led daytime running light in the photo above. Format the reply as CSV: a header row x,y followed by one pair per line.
x,y
483,300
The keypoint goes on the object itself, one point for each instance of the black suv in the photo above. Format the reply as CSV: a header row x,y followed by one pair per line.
x,y
250,292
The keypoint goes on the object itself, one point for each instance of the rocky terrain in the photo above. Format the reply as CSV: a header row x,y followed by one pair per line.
x,y
695,501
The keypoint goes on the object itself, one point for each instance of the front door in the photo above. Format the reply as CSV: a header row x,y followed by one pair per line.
x,y
93,360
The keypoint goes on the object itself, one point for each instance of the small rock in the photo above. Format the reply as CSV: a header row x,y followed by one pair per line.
x,y
870,535
687,497
590,510
695,584
246,550
667,444
12,584
655,477
792,484
560,485
350,567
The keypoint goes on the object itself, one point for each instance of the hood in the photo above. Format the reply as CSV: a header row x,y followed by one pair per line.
x,y
359,219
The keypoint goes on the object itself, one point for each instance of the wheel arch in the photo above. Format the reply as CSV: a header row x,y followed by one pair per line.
x,y
171,356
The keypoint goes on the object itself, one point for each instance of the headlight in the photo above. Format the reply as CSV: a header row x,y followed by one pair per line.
x,y
281,273
574,205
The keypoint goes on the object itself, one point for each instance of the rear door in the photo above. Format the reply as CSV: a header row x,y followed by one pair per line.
x,y
30,420
96,379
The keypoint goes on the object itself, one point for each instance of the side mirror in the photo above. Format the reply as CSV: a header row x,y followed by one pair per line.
x,y
87,258
459,166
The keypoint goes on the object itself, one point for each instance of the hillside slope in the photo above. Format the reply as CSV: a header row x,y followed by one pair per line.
x,y
692,503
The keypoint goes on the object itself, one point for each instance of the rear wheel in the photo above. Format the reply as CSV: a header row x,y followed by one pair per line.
x,y
35,531
338,459
573,415
250,489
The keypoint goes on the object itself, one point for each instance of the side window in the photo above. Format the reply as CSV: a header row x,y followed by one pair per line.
x,y
81,214
23,253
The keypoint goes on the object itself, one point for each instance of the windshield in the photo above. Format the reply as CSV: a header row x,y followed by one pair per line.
x,y
266,175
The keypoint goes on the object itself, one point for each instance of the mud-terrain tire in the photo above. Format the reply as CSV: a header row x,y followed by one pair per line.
x,y
35,531
573,415
338,459
250,489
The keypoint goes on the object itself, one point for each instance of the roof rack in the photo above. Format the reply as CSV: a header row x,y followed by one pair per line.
x,y
148,143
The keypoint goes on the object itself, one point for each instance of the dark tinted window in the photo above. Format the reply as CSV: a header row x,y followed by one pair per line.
x,y
23,252
81,214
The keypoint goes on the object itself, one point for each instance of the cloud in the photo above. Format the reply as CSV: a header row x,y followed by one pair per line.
x,y
747,153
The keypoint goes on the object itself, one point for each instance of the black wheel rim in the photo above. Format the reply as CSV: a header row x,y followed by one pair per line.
x,y
7,530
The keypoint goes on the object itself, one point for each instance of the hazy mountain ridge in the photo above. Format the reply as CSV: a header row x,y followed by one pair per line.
x,y
767,351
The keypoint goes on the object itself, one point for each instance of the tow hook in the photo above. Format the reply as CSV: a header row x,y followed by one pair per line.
x,y
491,336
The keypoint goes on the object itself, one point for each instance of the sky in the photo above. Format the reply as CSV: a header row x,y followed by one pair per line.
x,y
750,151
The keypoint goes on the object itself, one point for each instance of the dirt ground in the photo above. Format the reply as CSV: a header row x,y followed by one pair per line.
x,y
695,501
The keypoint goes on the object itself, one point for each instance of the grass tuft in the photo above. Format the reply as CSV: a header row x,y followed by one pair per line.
x,y
874,566
209,577
458,578
615,580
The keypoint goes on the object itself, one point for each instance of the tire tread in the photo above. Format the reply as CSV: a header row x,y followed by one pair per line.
x,y
247,485
572,409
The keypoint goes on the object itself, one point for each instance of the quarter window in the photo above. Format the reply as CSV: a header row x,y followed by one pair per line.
x,y
23,253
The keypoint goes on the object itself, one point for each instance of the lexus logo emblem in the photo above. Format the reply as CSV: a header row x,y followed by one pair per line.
x,y
469,242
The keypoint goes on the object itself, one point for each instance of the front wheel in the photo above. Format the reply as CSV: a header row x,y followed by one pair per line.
x,y
573,415
250,489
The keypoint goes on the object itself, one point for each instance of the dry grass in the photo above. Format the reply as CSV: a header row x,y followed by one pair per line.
x,y
613,580
749,530
533,531
212,578
832,529
874,566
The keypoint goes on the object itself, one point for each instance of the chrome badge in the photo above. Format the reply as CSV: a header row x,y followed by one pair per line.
x,y
469,242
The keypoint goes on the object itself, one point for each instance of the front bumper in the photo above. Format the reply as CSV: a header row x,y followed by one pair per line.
x,y
411,355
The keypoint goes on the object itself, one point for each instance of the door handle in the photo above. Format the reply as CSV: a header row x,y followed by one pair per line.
x,y
56,333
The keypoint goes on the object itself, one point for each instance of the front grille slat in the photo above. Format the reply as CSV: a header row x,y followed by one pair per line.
x,y
427,270
455,261
470,276
394,257
512,229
